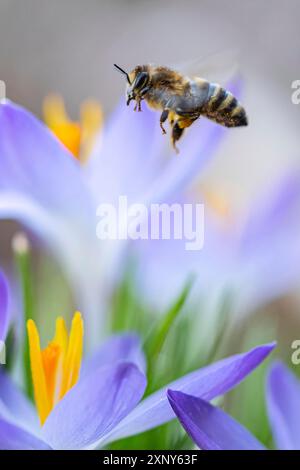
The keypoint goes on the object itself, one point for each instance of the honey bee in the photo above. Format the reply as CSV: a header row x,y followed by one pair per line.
x,y
181,99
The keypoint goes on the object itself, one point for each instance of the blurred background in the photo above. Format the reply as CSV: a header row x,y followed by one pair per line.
x,y
69,46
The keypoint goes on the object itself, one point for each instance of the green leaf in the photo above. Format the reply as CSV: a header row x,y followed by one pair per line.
x,y
157,338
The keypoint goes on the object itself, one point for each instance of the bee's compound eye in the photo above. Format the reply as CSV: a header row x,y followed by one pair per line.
x,y
141,80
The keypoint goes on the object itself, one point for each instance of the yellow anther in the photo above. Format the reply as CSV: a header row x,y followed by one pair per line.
x,y
61,334
38,372
72,361
78,137
51,357
55,370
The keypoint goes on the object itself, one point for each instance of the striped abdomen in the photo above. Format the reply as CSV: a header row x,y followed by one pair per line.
x,y
222,107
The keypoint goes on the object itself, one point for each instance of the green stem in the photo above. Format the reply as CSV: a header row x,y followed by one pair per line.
x,y
23,264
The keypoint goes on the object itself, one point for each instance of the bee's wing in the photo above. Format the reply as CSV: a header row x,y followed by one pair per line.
x,y
217,68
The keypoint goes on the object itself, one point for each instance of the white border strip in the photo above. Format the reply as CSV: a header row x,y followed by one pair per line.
x,y
2,90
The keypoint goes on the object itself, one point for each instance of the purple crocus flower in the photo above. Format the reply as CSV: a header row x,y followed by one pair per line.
x,y
256,259
283,404
106,403
213,429
44,187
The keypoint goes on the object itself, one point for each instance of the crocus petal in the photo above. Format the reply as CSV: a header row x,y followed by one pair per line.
x,y
18,407
126,148
207,383
283,402
14,438
165,265
197,148
268,252
33,163
180,172
118,348
209,427
257,260
42,186
94,406
4,318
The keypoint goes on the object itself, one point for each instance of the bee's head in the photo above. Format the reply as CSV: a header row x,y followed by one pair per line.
x,y
137,82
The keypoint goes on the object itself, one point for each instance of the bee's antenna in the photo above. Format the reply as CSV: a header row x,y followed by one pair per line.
x,y
123,72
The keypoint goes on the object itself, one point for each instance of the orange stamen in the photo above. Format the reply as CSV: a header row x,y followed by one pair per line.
x,y
55,370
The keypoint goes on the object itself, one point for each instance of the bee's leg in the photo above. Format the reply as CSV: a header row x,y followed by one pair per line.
x,y
180,124
137,105
176,134
140,98
163,118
